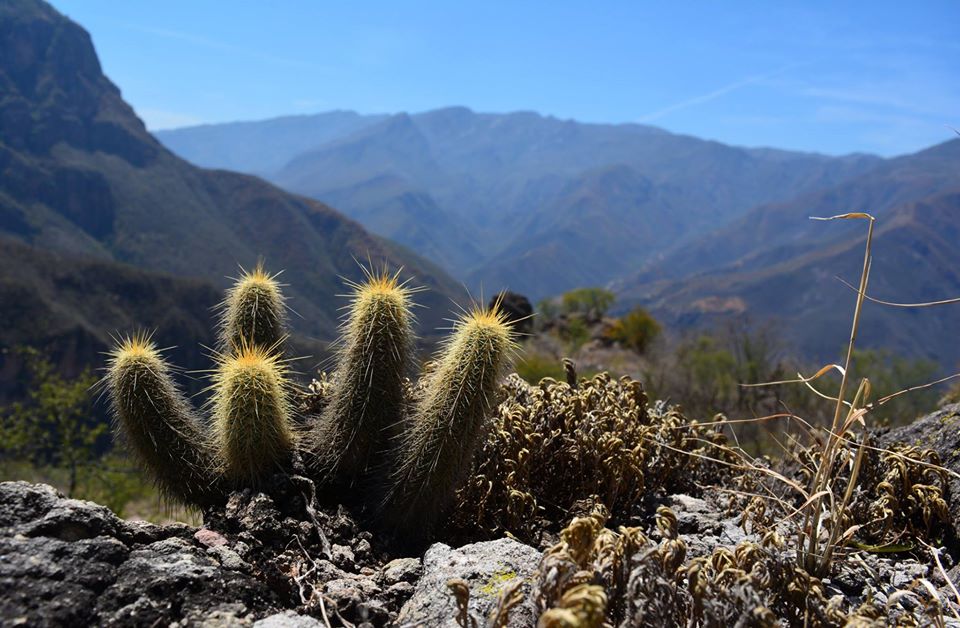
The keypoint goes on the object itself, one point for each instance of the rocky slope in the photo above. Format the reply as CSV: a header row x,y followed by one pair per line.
x,y
794,283
276,558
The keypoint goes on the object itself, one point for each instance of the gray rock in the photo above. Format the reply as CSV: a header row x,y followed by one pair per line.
x,y
486,567
703,526
228,558
342,556
68,562
288,619
402,570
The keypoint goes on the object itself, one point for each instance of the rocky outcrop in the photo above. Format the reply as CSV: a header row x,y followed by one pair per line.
x,y
276,560
486,568
66,562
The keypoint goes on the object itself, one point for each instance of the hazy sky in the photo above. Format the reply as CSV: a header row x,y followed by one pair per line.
x,y
833,77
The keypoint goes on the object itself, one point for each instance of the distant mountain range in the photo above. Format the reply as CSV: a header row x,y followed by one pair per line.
x,y
97,216
695,230
532,203
773,262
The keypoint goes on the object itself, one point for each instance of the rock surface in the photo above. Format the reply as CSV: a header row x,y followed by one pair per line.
x,y
67,562
486,567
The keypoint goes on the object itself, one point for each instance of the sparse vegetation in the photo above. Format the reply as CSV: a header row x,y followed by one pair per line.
x,y
593,302
53,428
553,449
55,437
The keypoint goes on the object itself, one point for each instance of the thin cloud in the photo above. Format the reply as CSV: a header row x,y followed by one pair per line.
x,y
161,119
879,96
717,93
213,44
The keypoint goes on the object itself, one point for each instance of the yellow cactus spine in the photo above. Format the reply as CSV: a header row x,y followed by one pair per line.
x,y
251,414
253,312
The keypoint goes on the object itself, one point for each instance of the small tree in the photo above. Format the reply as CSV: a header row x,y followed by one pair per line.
x,y
589,301
707,381
53,428
635,331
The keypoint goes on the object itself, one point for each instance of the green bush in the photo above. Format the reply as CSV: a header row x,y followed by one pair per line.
x,y
590,301
53,426
888,374
534,367
575,332
635,331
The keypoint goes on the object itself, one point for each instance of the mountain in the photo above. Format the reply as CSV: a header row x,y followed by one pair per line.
x,y
513,199
262,147
81,178
68,307
771,232
776,263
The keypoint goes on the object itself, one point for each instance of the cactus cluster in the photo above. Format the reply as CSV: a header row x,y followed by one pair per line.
x,y
400,454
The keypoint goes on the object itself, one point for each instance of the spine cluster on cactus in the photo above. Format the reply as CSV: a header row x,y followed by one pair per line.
x,y
370,436
445,425
368,393
159,425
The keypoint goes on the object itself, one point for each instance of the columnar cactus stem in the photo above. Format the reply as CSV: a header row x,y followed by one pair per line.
x,y
403,453
251,414
158,424
437,446
253,312
368,396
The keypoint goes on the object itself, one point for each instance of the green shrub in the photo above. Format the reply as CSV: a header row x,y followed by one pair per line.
x,y
590,301
575,332
635,331
53,427
547,310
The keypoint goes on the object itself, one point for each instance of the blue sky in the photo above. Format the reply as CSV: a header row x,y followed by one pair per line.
x,y
833,77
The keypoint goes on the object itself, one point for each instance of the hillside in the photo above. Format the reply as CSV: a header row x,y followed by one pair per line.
x,y
68,307
795,284
511,187
773,232
81,177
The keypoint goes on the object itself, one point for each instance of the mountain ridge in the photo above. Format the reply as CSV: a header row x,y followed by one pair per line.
x,y
488,173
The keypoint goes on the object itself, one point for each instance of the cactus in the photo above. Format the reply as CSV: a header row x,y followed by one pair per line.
x,y
159,425
436,449
252,432
251,414
252,312
368,395
406,456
